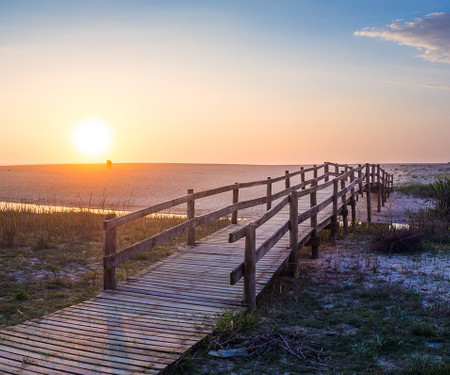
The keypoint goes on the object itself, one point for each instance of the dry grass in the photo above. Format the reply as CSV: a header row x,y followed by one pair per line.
x,y
50,260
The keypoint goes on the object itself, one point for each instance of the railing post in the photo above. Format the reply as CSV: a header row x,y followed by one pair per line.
x,y
109,274
234,215
287,180
334,223
344,210
315,240
378,188
250,266
361,190
391,185
190,215
369,204
302,177
325,171
373,174
336,170
293,230
269,193
383,187
315,171
352,200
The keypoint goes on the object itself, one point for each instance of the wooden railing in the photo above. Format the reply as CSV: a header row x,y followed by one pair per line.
x,y
369,178
113,258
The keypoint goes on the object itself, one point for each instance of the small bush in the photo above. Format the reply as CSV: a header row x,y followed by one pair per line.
x,y
236,321
398,241
21,295
441,193
416,189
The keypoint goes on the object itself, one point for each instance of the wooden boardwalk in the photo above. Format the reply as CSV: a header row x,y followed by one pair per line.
x,y
146,323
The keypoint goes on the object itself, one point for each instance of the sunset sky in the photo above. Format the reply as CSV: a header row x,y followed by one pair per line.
x,y
251,82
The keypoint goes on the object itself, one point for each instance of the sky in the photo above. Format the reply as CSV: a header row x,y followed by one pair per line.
x,y
245,81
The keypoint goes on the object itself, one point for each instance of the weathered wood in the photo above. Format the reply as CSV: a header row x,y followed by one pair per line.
x,y
250,266
353,200
302,177
287,181
293,233
378,188
344,211
334,222
305,215
234,215
315,171
326,170
190,216
313,222
269,193
361,190
271,241
369,203
109,273
240,233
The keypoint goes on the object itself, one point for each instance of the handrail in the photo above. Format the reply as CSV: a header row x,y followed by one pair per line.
x,y
112,258
123,219
365,180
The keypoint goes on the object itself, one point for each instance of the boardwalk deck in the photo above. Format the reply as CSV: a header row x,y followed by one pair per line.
x,y
149,321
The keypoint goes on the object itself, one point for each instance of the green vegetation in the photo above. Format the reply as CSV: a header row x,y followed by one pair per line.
x,y
416,189
439,191
50,260
323,323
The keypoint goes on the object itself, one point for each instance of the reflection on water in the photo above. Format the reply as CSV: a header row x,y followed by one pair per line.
x,y
49,209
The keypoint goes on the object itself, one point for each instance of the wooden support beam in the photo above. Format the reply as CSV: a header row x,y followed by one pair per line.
x,y
293,231
313,221
326,170
234,215
369,203
302,177
378,188
109,274
353,200
287,180
190,213
334,222
250,266
344,211
269,193
361,190
315,171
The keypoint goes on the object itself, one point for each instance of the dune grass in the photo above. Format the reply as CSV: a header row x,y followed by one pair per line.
x,y
50,260
320,323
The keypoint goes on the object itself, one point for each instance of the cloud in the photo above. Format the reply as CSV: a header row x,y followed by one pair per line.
x,y
430,35
436,86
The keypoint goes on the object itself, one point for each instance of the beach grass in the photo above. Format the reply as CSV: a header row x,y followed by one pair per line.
x,y
50,260
338,319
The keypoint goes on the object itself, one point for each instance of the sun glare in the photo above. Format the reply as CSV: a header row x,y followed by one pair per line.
x,y
92,136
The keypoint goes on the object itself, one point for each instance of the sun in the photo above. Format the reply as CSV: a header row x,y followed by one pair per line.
x,y
92,136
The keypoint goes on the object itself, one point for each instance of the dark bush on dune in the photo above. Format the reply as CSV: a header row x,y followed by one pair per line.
x,y
399,241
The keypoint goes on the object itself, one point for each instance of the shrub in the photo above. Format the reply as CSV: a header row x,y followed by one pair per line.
x,y
8,232
441,194
392,240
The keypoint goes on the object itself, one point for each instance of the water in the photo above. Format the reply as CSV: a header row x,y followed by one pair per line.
x,y
127,187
